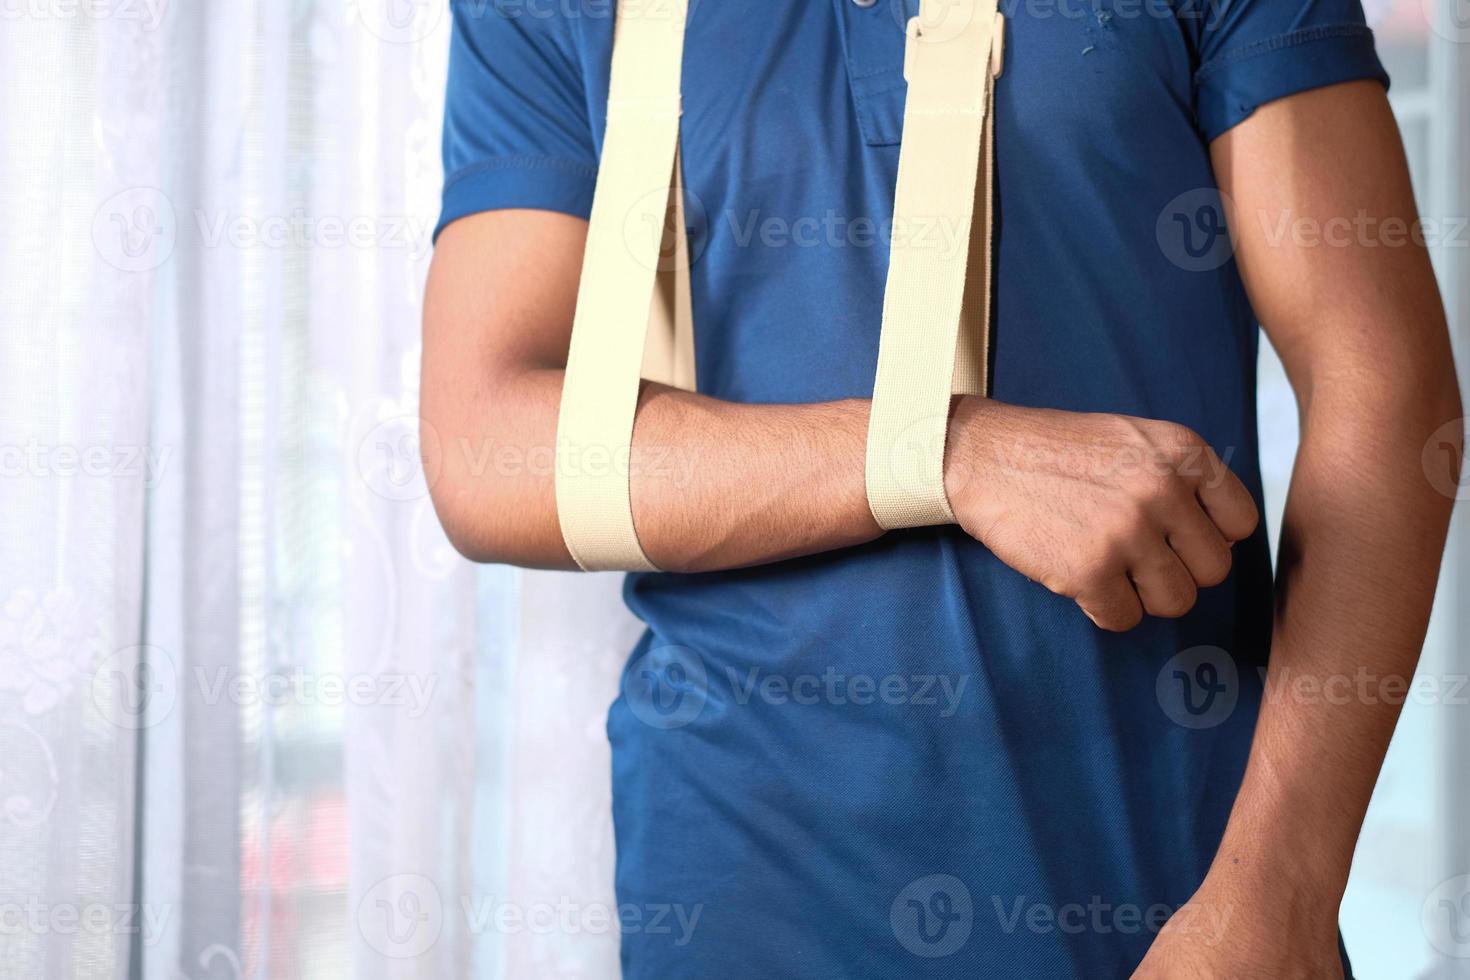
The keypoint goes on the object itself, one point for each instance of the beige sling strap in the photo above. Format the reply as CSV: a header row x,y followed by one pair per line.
x,y
936,307
633,312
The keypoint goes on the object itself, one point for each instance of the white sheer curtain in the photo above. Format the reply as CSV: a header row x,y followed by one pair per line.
x,y
256,718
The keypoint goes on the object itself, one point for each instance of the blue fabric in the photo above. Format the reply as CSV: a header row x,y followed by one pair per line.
x,y
904,759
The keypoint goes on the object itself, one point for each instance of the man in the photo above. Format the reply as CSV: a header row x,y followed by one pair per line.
x,y
1012,747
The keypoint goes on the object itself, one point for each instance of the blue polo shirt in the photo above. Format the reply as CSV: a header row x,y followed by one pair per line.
x,y
904,760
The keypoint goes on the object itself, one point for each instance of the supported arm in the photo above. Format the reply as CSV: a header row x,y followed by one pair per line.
x,y
714,484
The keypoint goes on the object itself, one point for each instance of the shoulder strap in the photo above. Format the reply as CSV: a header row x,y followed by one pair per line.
x,y
936,307
633,309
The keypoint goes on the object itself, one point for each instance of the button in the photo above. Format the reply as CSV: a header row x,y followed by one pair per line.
x,y
864,3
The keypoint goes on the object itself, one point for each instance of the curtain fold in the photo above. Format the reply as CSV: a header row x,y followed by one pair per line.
x,y
256,715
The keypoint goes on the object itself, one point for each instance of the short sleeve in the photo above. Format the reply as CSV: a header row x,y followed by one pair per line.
x,y
516,130
1255,51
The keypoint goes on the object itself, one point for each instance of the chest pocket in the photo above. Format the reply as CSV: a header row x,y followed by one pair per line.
x,y
873,44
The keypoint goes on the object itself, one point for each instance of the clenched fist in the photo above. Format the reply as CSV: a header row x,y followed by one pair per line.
x,y
1124,515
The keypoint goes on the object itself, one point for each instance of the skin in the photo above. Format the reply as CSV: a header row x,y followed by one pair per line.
x,y
717,485
1362,335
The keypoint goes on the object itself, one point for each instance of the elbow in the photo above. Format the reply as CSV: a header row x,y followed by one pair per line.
x,y
1426,417
464,494
493,507
463,534
1444,449
1443,454
457,501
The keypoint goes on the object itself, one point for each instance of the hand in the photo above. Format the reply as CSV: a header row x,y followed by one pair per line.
x,y
1231,932
1124,515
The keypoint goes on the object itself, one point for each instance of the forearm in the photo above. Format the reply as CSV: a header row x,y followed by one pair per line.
x,y
1361,544
714,484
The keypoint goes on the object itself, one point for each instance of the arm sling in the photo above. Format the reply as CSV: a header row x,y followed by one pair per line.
x,y
634,320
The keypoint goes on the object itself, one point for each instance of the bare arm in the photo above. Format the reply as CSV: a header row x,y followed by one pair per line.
x,y
716,484
1356,318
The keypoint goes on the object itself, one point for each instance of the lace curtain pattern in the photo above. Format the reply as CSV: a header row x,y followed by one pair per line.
x,y
257,719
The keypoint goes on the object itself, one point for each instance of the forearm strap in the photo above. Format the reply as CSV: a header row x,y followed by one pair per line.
x,y
936,307
633,311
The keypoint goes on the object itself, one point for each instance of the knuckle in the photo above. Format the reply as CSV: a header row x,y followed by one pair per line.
x,y
1126,530
1176,436
1175,597
1162,487
1217,569
1119,620
1095,573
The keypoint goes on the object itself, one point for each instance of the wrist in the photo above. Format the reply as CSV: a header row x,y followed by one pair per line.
x,y
969,419
1285,870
